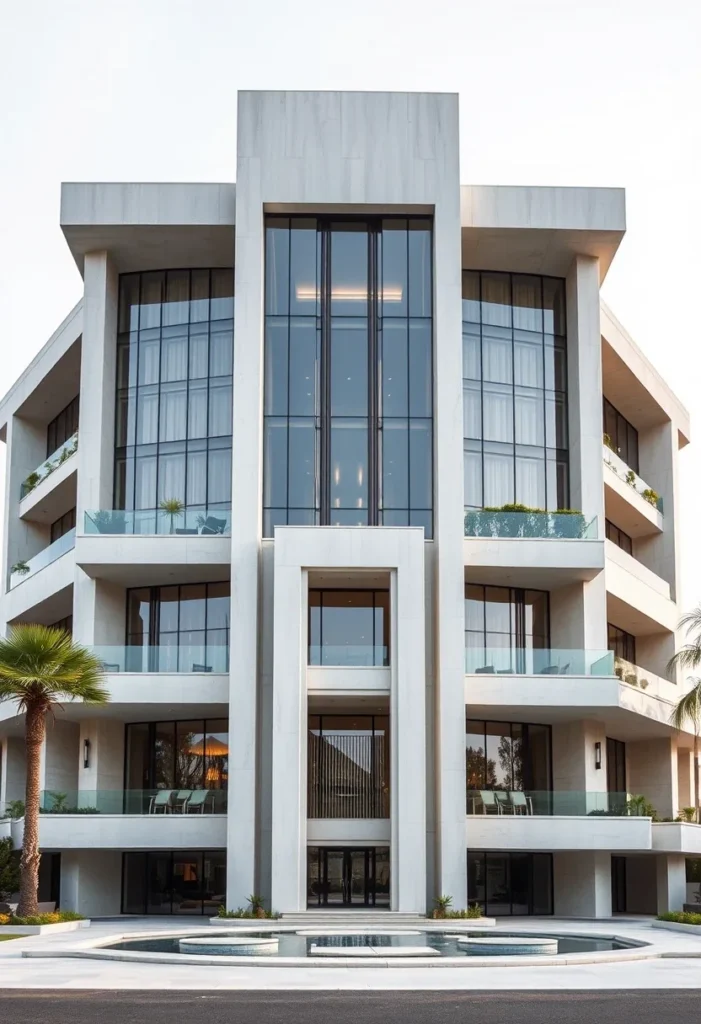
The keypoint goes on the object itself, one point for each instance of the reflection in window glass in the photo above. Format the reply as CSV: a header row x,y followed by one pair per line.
x,y
349,627
348,401
174,388
514,391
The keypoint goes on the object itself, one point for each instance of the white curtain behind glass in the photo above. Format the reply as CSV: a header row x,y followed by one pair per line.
x,y
530,482
173,413
174,359
171,477
147,418
472,462
498,413
197,479
528,412
498,479
220,410
219,475
145,483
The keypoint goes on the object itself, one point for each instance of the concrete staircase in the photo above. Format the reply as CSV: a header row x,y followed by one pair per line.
x,y
363,919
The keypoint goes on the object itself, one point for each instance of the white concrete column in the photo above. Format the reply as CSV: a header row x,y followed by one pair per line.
x,y
671,882
582,884
60,757
652,773
659,467
574,758
102,782
685,777
91,883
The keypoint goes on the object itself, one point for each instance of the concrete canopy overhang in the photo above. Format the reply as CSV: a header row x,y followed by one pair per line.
x,y
194,223
539,230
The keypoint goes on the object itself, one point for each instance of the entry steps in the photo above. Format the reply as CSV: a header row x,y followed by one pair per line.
x,y
383,920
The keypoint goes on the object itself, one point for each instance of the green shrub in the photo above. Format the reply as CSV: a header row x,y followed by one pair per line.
x,y
680,917
59,917
248,914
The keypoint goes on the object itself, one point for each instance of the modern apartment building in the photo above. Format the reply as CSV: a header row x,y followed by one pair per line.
x,y
261,468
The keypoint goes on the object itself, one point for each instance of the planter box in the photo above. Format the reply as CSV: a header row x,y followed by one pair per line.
x,y
43,929
242,922
672,926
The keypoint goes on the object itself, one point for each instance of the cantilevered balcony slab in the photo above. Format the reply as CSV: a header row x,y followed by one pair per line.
x,y
557,832
625,505
639,601
676,837
136,561
132,831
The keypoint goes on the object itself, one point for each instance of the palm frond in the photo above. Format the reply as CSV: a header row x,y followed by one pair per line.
x,y
691,621
688,656
688,708
39,664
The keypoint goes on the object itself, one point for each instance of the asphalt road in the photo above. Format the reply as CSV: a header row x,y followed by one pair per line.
x,y
358,1007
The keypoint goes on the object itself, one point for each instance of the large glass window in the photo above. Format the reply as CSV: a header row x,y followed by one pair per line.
x,y
622,434
349,627
621,643
348,766
619,538
62,427
348,373
514,390
184,758
510,883
615,766
174,882
508,620
63,525
174,388
185,627
513,757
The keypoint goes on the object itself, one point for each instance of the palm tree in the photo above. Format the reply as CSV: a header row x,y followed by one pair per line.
x,y
688,709
39,667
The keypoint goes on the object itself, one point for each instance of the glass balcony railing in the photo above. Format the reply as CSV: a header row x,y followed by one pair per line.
x,y
630,477
539,525
61,455
144,658
22,571
349,655
195,800
157,522
548,803
541,661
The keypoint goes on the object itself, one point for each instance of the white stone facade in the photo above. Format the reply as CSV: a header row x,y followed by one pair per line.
x,y
363,155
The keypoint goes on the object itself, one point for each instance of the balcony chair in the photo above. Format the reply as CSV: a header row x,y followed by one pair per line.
x,y
503,801
196,667
521,803
162,801
198,800
181,798
213,525
489,669
489,799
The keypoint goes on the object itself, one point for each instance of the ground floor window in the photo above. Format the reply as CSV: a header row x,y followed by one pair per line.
x,y
510,883
348,876
174,882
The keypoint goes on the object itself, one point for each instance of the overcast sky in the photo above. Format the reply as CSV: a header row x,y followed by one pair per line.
x,y
552,92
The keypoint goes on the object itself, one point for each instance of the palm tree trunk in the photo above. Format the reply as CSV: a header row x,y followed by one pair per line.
x,y
696,774
35,731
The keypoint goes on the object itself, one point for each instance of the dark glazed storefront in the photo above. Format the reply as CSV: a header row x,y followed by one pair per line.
x,y
348,877
174,882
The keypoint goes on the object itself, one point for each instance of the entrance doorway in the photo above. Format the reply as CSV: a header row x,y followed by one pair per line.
x,y
339,876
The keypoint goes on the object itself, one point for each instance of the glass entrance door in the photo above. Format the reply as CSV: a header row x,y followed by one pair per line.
x,y
348,877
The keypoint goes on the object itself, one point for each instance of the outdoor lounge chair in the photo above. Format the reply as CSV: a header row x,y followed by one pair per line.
x,y
181,799
213,525
162,801
488,798
197,801
503,801
521,803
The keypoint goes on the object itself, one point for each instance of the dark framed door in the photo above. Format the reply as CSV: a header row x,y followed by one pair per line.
x,y
348,876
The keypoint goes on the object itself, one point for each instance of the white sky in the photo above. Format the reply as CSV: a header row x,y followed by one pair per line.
x,y
552,92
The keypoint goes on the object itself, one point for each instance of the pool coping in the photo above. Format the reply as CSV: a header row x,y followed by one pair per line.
x,y
97,949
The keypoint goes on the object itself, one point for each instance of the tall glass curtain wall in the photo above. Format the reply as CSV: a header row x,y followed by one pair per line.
x,y
348,766
505,627
506,884
513,757
622,434
62,427
348,373
179,628
174,389
349,627
174,882
514,391
177,756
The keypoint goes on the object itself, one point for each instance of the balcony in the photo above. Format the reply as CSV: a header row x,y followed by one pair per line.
x,y
22,571
166,659
187,522
531,548
639,600
625,501
652,684
54,462
158,802
494,523
544,820
118,545
505,661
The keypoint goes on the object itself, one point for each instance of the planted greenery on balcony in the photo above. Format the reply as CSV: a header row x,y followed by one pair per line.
x,y
61,455
629,476
521,521
539,661
23,570
170,518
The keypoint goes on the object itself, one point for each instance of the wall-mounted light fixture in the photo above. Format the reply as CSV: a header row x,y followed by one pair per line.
x,y
86,753
597,755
